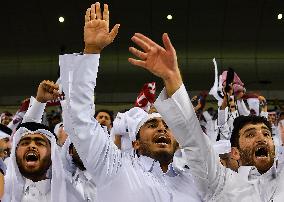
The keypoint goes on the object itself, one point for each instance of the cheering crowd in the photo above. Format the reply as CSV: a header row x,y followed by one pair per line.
x,y
167,149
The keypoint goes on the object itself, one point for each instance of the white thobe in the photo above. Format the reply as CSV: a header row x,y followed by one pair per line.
x,y
215,182
119,176
37,191
83,184
225,123
211,127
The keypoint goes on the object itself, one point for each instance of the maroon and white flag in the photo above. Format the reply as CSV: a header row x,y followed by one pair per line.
x,y
147,96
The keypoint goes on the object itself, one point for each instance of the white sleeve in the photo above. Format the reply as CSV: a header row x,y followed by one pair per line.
x,y
222,116
201,159
227,128
97,151
17,119
210,127
242,108
34,112
225,133
207,116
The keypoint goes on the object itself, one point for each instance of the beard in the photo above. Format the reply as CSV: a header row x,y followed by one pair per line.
x,y
246,156
34,174
163,156
247,159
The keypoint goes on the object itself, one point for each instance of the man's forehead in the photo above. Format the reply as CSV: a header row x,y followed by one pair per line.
x,y
103,114
33,135
253,126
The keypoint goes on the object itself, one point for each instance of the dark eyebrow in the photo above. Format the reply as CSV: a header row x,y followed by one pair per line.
x,y
25,138
265,127
155,121
6,139
39,139
36,139
249,129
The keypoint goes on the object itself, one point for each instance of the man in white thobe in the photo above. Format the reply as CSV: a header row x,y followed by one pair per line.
x,y
119,176
79,183
258,179
35,171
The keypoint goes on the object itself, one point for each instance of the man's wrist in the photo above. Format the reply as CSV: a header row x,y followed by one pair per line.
x,y
91,50
40,99
173,83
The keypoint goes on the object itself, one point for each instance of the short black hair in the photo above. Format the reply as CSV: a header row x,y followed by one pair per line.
x,y
241,121
33,126
110,113
138,135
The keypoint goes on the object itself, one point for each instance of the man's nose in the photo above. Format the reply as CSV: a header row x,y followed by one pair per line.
x,y
162,128
32,144
261,136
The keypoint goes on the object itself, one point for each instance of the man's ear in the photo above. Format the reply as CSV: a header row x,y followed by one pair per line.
x,y
235,153
136,144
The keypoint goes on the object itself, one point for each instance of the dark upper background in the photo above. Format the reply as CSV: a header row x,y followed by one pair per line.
x,y
245,35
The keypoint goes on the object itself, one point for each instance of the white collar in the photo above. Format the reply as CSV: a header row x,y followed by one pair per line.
x,y
151,165
251,172
43,186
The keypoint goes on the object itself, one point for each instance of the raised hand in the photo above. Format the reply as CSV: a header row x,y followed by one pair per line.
x,y
262,103
96,29
47,90
161,61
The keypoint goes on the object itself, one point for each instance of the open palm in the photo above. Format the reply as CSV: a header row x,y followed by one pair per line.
x,y
96,29
162,62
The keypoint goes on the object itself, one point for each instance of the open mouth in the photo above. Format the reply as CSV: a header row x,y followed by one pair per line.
x,y
261,152
162,140
31,156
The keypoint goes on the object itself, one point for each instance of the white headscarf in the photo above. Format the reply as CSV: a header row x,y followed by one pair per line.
x,y
66,158
15,182
145,119
125,125
57,127
129,123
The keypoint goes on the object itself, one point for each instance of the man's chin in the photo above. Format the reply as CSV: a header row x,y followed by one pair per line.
x,y
163,154
163,151
263,164
163,146
32,165
31,170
